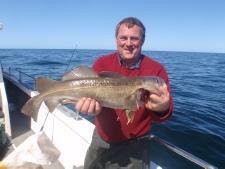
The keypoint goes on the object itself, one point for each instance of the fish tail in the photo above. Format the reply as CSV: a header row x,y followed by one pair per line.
x,y
31,107
130,116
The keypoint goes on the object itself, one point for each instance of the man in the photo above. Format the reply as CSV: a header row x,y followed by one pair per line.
x,y
116,144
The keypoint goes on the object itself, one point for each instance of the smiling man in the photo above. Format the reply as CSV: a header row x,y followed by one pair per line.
x,y
117,144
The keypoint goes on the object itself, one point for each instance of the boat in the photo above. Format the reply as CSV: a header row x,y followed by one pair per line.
x,y
70,132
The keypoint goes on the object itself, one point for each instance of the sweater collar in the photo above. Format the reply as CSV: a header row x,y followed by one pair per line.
x,y
135,65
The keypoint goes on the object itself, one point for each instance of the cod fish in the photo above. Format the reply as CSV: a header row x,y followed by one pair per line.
x,y
109,89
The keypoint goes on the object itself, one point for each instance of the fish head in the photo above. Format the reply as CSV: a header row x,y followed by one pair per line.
x,y
151,84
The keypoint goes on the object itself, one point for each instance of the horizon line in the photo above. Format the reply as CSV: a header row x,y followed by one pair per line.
x,y
143,50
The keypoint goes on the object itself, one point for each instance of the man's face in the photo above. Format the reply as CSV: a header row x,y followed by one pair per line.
x,y
129,43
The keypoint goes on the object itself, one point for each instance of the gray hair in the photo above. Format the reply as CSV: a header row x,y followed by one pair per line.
x,y
130,22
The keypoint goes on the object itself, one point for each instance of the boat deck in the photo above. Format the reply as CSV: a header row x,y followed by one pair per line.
x,y
21,131
18,140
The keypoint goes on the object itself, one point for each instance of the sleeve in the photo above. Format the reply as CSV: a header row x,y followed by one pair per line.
x,y
159,117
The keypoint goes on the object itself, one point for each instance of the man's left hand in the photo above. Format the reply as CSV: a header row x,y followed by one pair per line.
x,y
159,102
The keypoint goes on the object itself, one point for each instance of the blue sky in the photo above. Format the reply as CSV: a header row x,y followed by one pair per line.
x,y
172,25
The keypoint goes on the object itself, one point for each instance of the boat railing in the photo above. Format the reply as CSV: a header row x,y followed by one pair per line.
x,y
22,77
182,153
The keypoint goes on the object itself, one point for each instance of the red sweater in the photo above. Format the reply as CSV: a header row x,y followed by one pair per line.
x,y
112,124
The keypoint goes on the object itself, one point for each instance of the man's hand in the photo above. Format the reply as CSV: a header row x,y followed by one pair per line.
x,y
88,106
159,102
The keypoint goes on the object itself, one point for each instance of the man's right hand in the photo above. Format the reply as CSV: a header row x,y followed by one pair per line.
x,y
88,106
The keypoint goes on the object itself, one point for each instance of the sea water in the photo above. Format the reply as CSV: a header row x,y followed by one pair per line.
x,y
198,88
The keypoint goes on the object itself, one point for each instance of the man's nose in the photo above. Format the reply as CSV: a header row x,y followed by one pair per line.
x,y
128,42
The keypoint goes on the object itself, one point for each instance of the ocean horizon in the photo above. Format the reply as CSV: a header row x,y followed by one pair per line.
x,y
144,50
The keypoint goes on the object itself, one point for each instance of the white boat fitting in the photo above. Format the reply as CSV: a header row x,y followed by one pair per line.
x,y
70,133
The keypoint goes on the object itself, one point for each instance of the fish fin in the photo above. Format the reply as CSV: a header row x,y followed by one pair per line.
x,y
110,74
134,100
138,98
51,104
43,84
79,72
130,116
130,101
31,107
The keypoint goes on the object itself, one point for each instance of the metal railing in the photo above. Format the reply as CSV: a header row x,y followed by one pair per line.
x,y
21,77
180,152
